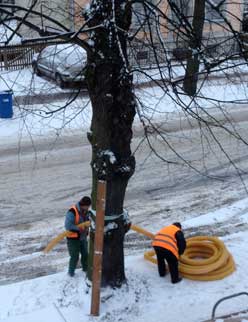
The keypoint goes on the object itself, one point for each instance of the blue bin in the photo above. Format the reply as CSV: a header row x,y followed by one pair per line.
x,y
6,105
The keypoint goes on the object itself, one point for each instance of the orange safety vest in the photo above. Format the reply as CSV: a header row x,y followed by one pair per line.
x,y
165,238
73,234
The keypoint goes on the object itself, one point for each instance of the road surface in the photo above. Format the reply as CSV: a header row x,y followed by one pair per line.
x,y
36,189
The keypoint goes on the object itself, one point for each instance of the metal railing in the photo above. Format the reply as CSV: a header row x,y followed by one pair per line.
x,y
224,299
15,57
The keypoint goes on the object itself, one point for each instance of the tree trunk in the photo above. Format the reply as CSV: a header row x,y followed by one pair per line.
x,y
110,88
193,63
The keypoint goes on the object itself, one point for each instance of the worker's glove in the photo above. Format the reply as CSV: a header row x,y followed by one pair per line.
x,y
81,229
127,227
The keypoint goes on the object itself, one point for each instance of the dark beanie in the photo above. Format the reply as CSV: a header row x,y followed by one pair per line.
x,y
85,201
177,224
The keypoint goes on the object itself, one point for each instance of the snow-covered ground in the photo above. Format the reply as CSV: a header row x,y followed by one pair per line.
x,y
37,186
146,297
33,122
37,120
25,82
52,119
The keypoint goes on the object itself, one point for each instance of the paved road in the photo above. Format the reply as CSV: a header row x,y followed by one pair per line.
x,y
36,190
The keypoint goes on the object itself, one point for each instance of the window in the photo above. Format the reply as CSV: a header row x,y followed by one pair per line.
x,y
215,14
245,6
181,10
183,7
245,18
139,15
181,13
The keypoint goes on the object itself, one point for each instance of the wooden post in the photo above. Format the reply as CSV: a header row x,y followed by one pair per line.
x,y
98,248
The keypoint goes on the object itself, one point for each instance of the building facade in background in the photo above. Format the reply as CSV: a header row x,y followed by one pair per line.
x,y
69,14
233,10
59,10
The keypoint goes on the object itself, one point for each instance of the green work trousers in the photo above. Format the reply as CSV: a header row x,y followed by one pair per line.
x,y
77,247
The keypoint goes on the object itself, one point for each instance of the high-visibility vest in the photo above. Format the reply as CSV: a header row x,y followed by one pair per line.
x,y
73,234
165,238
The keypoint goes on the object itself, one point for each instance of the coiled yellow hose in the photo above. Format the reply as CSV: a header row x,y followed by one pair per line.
x,y
205,259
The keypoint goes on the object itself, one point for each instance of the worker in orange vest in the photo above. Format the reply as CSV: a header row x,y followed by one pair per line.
x,y
77,239
169,243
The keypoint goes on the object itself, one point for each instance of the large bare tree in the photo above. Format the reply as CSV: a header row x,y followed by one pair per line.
x,y
114,34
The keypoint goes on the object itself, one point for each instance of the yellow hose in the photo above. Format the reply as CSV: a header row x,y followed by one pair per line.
x,y
61,236
205,259
86,224
142,231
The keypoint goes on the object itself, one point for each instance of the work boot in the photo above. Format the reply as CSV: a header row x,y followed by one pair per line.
x,y
177,281
71,274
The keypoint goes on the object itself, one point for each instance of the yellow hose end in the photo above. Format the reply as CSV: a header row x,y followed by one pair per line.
x,y
61,236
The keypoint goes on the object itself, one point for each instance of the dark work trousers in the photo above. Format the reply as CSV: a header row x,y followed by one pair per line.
x,y
77,247
162,255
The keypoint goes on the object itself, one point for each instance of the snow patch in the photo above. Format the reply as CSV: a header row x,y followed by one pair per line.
x,y
221,215
146,296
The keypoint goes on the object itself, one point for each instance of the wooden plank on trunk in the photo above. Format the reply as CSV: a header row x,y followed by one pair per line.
x,y
98,248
